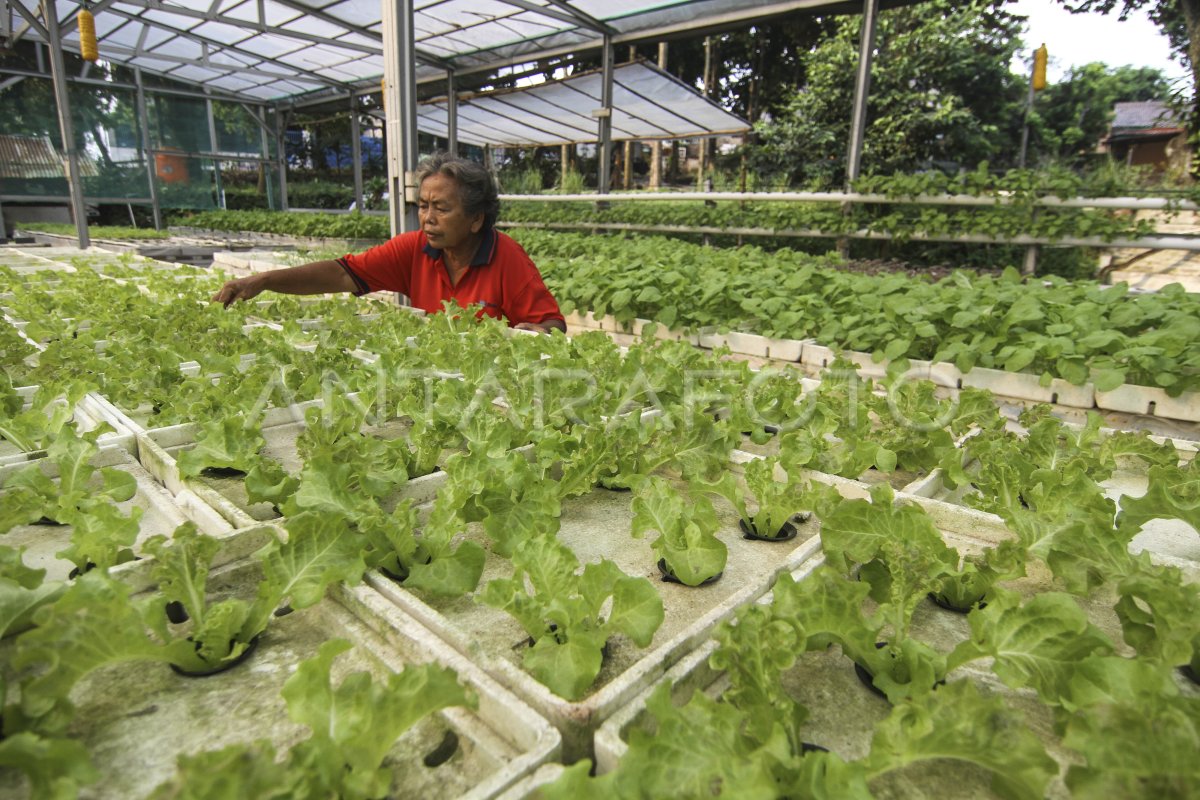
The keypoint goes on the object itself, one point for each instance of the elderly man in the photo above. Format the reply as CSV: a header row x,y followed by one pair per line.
x,y
456,255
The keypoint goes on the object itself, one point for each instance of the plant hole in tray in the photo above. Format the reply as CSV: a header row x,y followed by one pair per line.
x,y
868,680
90,565
444,751
47,521
528,641
402,575
669,577
789,530
809,747
222,472
1190,673
251,646
176,613
940,601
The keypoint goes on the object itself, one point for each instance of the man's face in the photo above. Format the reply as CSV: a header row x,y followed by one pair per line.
x,y
443,218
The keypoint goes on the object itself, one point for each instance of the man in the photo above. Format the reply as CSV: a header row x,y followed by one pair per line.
x,y
457,254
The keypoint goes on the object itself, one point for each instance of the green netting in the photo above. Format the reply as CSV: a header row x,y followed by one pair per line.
x,y
106,138
112,153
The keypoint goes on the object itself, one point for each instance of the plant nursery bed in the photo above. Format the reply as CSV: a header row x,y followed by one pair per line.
x,y
137,718
161,512
596,526
158,449
843,712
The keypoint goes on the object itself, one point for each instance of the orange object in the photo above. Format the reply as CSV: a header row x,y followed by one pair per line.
x,y
171,168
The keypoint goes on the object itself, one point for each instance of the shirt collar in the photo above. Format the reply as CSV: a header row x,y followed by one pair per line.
x,y
482,257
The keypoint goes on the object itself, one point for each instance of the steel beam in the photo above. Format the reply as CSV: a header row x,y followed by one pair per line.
x,y
151,165
604,145
356,152
400,107
862,90
451,114
63,101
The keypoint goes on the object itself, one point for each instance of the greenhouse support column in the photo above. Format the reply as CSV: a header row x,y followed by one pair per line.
x,y
565,166
604,146
356,152
58,74
862,89
3,230
656,145
212,138
281,155
400,107
147,153
451,114
858,119
264,145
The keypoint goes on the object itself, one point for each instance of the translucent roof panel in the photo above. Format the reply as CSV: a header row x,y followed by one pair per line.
x,y
332,46
647,104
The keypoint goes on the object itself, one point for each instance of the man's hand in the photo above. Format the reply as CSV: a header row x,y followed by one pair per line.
x,y
245,288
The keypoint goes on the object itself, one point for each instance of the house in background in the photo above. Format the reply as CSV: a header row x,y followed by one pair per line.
x,y
1148,133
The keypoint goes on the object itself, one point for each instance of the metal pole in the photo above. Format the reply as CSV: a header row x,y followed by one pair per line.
x,y
1025,125
400,108
356,152
604,146
264,144
708,82
212,138
151,171
281,155
3,230
63,101
451,113
862,89
656,145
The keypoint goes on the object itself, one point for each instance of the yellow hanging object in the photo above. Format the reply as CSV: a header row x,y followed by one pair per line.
x,y
1040,57
87,36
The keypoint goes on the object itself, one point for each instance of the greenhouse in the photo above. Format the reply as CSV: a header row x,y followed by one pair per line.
x,y
563,399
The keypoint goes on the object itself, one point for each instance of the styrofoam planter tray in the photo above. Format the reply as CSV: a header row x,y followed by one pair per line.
x,y
597,526
1147,400
527,789
1167,540
281,428
161,514
661,332
84,420
136,718
843,713
1027,386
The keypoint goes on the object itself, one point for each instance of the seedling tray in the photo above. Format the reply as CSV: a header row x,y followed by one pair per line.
x,y
137,718
596,526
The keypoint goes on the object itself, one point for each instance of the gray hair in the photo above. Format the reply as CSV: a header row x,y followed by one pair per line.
x,y
476,187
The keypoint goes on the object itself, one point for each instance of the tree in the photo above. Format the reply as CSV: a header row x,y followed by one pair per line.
x,y
1073,114
941,91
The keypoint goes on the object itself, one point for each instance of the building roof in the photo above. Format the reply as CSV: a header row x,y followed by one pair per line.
x,y
268,50
26,157
647,104
1145,115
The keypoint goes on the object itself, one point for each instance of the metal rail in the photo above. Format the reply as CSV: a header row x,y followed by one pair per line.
x,y
1152,242
1138,203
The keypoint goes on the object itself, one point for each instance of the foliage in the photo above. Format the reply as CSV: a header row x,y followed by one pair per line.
x,y
941,91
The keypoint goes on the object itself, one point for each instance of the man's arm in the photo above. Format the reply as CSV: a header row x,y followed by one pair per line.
x,y
317,277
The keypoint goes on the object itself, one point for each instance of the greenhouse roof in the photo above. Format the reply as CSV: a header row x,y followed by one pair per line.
x,y
280,49
647,104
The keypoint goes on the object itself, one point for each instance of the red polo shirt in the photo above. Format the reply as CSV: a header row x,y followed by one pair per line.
x,y
501,277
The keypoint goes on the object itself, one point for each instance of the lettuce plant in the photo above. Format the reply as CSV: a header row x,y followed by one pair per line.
x,y
686,526
353,726
562,612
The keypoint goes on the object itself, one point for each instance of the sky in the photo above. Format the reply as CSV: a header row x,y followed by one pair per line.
x,y
1077,39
